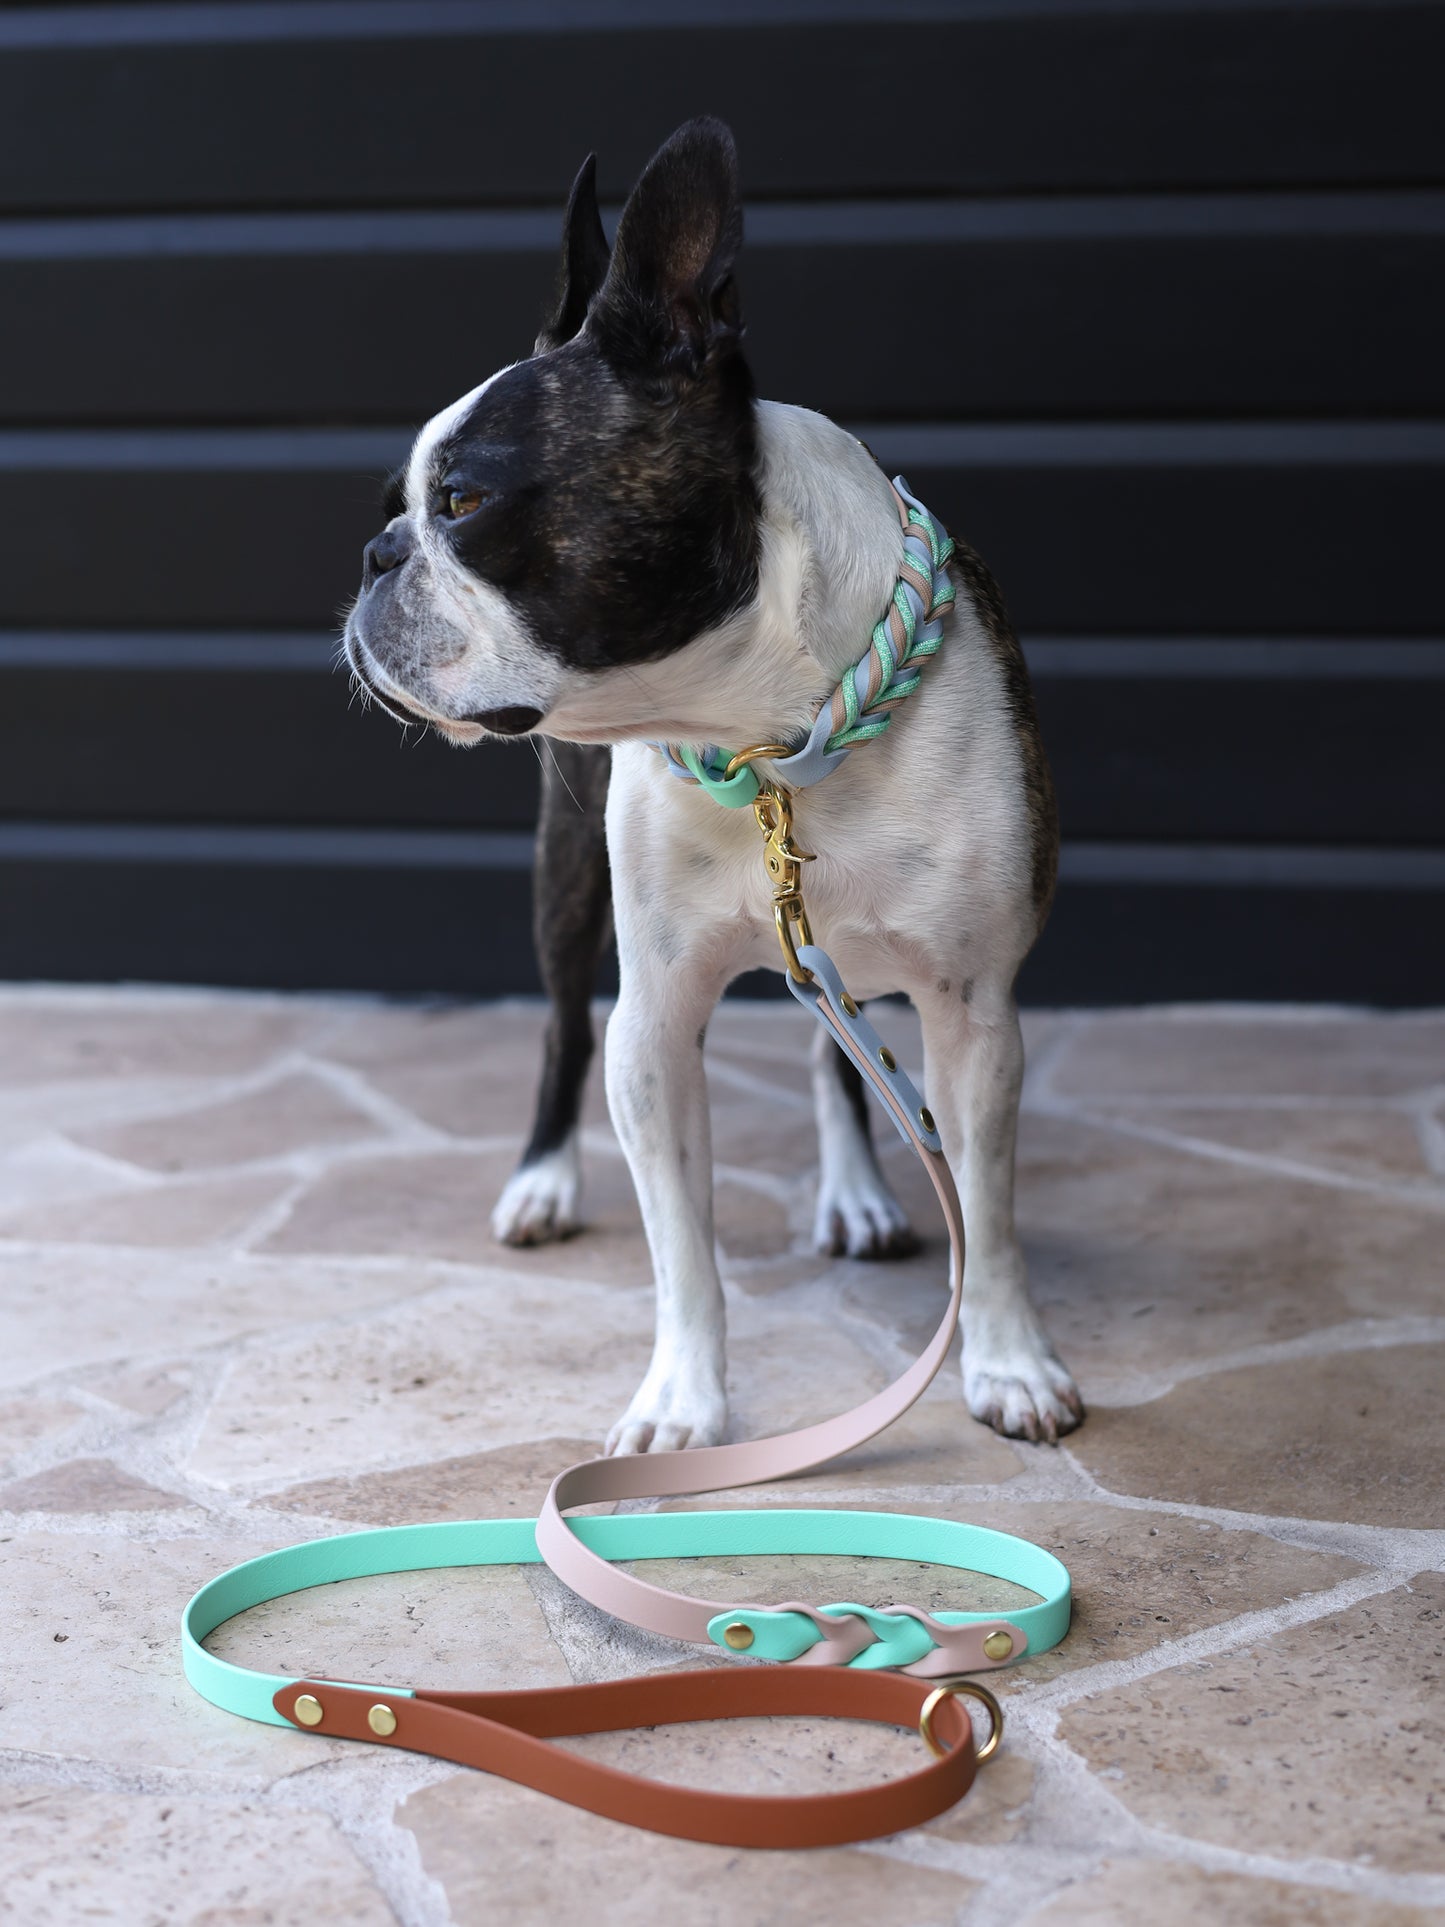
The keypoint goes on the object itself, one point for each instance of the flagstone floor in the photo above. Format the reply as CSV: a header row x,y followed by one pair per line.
x,y
249,1297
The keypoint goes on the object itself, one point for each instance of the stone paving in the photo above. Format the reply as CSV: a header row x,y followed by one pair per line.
x,y
249,1297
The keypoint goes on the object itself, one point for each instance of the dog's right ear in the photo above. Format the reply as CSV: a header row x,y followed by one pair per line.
x,y
585,255
669,310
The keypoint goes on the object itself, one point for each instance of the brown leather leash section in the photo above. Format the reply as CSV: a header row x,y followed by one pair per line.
x,y
509,1734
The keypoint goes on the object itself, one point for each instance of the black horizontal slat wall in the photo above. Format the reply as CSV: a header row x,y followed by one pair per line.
x,y
1169,274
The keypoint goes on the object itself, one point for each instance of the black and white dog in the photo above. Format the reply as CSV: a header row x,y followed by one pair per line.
x,y
613,542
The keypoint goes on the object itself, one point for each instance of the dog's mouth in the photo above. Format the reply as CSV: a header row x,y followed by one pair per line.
x,y
516,719
395,706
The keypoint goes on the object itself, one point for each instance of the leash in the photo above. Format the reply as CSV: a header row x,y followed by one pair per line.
x,y
894,1666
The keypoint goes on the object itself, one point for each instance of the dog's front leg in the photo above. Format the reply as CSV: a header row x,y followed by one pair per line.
x,y
1012,1376
657,1093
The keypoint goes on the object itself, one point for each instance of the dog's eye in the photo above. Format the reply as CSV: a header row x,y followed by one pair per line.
x,y
462,501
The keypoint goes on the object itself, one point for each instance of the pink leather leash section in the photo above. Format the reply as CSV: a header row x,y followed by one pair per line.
x,y
843,1637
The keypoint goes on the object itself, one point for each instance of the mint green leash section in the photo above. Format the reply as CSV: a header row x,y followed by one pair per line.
x,y
779,1635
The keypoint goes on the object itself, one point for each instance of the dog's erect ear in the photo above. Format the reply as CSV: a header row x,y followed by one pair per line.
x,y
584,260
669,305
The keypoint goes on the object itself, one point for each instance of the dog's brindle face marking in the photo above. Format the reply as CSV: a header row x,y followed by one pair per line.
x,y
594,506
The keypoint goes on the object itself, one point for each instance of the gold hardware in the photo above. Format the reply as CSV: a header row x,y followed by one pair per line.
x,y
971,1691
738,1636
754,755
925,1118
998,1645
886,1058
785,866
382,1721
308,1710
849,1005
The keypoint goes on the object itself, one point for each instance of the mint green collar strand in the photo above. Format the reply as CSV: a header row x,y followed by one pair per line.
x,y
904,637
777,1634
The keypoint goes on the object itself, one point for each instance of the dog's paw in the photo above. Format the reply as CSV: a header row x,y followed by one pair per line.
x,y
668,1414
540,1201
1021,1389
858,1216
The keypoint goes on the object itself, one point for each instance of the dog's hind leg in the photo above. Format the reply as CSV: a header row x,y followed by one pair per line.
x,y
856,1212
974,1054
571,924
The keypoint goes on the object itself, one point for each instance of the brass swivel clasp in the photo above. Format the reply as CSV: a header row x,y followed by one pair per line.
x,y
785,863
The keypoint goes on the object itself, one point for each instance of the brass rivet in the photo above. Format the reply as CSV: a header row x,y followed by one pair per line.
x,y
849,1005
886,1058
738,1636
382,1720
925,1118
308,1710
998,1645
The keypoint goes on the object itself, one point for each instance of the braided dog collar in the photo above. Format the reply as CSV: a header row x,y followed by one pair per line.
x,y
904,637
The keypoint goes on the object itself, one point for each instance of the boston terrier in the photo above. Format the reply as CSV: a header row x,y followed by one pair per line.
x,y
615,544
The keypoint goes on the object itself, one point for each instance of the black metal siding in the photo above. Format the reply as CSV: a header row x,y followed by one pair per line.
x,y
1170,278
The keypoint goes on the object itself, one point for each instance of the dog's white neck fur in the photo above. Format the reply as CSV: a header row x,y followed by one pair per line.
x,y
829,558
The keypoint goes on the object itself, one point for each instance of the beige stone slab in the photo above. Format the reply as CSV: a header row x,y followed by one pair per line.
x,y
45,1170
86,1485
512,1479
145,1389
996,1808
71,1855
73,1308
470,1070
296,1113
162,1216
1142,1578
790,1366
113,1034
1143,1256
903,1298
1326,1740
93,1660
498,1361
748,1223
457,1629
1215,1054
438,1205
1354,1435
1172,1893
28,1421
29,1111
776,1272
505,1853
1377,1146
751,1132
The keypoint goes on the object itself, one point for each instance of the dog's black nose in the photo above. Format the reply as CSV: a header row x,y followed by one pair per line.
x,y
386,552
507,722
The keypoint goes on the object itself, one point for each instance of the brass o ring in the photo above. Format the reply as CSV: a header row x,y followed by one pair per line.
x,y
971,1691
745,756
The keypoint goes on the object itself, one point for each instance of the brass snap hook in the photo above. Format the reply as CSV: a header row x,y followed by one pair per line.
x,y
971,1691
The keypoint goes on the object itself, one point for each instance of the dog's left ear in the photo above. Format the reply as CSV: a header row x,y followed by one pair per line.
x,y
669,305
585,255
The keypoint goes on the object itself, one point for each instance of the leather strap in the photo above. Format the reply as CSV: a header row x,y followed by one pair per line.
x,y
509,1734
